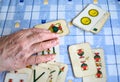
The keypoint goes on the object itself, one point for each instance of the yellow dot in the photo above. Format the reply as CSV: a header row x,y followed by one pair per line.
x,y
17,25
45,2
93,12
85,20
70,81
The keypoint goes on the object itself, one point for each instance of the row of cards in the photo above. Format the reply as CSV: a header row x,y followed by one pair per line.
x,y
91,18
88,63
45,72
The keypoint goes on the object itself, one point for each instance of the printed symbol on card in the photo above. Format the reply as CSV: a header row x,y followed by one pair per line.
x,y
56,28
85,20
49,51
11,80
84,66
93,12
98,64
51,76
61,70
80,52
97,57
99,74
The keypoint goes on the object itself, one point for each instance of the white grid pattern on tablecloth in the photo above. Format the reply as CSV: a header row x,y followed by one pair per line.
x,y
32,12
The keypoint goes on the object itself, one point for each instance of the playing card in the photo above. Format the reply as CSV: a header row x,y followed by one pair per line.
x,y
100,75
14,77
54,70
53,50
90,18
63,68
82,60
60,27
40,74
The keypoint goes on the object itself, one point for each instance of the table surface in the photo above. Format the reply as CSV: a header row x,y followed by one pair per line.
x,y
32,12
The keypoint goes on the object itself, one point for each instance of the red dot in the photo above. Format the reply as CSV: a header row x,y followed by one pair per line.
x,y
10,80
21,80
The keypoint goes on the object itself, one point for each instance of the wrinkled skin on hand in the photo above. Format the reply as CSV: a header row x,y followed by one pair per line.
x,y
16,49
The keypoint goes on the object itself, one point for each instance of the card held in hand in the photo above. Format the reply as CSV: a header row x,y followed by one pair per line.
x,y
60,27
82,60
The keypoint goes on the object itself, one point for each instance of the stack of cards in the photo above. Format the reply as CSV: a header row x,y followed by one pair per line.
x,y
92,18
88,63
49,72
60,27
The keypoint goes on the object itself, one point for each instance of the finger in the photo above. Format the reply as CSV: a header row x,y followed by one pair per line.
x,y
38,47
37,30
35,48
36,59
40,37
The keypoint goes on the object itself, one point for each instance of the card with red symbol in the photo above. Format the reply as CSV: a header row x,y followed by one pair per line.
x,y
100,75
60,27
82,60
63,68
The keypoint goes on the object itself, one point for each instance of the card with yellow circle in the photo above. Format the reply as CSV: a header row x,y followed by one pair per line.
x,y
92,18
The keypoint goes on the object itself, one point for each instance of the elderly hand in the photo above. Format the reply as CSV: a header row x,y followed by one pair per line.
x,y
16,49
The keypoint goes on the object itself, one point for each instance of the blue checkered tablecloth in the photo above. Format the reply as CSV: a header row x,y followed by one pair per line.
x,y
32,12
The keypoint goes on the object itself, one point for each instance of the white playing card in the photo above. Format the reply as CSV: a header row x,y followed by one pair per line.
x,y
14,77
100,75
40,74
82,60
90,18
53,50
60,27
54,70
63,68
